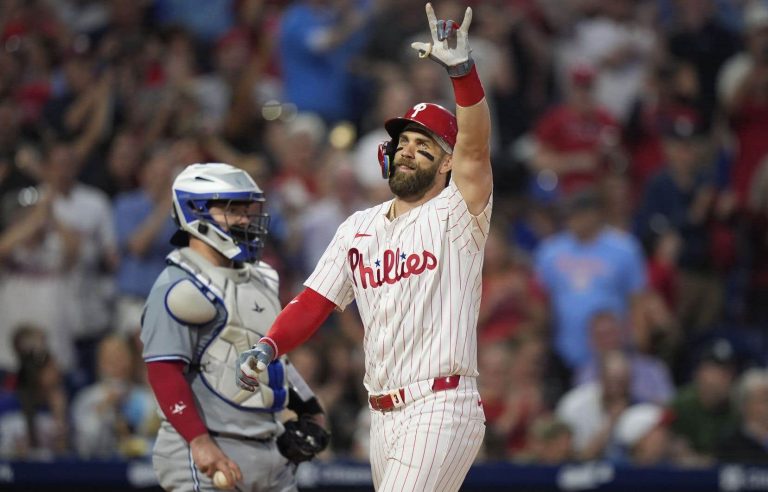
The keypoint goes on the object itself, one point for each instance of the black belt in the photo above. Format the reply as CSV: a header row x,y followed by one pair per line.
x,y
227,435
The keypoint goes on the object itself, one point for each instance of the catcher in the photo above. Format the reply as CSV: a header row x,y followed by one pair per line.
x,y
214,299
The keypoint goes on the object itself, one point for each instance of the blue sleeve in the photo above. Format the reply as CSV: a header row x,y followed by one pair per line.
x,y
126,221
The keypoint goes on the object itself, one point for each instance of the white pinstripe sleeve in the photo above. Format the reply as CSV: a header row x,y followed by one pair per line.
x,y
330,278
471,231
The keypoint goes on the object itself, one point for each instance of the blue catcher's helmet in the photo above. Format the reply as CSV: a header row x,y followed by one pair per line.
x,y
194,190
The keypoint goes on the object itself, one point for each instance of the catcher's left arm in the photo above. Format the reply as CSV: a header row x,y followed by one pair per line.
x,y
303,439
307,436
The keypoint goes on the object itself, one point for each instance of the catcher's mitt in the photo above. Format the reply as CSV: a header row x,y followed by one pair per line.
x,y
302,440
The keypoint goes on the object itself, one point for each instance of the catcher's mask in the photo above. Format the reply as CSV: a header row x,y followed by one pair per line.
x,y
435,120
200,187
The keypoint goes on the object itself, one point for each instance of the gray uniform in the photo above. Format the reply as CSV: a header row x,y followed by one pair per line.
x,y
204,316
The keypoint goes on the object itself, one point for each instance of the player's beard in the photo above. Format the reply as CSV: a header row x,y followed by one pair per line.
x,y
415,184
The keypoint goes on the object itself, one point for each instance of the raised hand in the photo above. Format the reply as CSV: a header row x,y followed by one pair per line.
x,y
450,43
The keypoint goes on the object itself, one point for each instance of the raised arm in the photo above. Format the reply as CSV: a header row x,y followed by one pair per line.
x,y
471,161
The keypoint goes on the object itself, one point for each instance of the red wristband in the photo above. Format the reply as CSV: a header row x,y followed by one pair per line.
x,y
468,89
271,343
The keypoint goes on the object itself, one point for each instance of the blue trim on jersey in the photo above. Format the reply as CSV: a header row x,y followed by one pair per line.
x,y
195,480
156,358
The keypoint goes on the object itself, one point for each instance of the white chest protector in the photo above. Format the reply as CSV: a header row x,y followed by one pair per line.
x,y
248,296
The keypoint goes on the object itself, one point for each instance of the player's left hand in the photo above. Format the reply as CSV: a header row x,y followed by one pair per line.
x,y
450,43
303,439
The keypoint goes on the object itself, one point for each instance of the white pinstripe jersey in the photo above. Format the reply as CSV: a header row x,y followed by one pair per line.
x,y
416,281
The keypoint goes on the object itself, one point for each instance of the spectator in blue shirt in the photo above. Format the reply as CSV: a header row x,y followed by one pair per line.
x,y
144,227
317,42
588,267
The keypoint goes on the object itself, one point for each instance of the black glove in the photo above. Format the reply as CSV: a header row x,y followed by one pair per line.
x,y
302,440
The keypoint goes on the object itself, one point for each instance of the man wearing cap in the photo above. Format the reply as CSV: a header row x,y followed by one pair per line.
x,y
702,409
413,265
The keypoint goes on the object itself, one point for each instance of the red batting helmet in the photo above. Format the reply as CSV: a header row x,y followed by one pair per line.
x,y
439,123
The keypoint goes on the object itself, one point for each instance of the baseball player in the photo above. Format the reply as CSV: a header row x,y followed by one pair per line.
x,y
413,266
213,300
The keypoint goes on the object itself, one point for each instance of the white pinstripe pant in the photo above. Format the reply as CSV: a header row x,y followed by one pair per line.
x,y
430,443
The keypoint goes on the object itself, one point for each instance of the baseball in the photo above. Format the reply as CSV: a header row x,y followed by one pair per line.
x,y
220,480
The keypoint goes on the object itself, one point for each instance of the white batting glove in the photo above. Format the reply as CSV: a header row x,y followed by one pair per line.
x,y
251,363
449,46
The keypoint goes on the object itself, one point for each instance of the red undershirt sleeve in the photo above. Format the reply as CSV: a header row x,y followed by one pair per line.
x,y
175,397
298,321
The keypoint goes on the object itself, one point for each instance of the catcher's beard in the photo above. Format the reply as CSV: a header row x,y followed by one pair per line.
x,y
415,184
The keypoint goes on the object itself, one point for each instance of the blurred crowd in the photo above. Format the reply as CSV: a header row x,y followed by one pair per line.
x,y
625,289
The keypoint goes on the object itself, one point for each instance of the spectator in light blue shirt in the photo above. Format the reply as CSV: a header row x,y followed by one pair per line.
x,y
588,267
144,228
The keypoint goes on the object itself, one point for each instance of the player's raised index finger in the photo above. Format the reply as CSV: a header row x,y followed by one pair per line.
x,y
431,17
467,21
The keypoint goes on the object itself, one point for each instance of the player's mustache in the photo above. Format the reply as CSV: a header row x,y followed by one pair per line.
x,y
410,164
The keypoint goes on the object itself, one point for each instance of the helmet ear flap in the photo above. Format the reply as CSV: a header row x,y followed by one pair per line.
x,y
386,158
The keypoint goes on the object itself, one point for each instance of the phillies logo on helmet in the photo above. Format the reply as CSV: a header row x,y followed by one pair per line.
x,y
417,109
440,122
396,266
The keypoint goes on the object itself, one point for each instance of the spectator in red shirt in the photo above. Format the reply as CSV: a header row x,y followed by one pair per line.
x,y
576,140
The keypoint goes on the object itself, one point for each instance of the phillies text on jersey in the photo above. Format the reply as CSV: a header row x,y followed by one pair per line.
x,y
394,266
417,283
